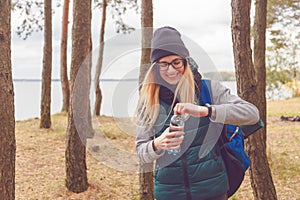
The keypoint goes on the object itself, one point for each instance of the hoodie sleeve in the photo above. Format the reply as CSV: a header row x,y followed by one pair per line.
x,y
144,146
231,109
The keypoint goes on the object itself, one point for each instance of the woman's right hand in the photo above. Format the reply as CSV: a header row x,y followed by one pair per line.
x,y
191,109
168,140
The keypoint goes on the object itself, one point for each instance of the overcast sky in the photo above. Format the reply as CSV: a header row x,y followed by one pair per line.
x,y
205,25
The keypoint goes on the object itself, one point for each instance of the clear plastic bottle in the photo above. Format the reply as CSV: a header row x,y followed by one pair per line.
x,y
178,121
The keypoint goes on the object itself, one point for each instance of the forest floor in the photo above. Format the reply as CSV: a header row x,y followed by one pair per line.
x,y
40,159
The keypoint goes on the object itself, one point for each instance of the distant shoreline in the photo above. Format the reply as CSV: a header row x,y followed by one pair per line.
x,y
58,80
223,76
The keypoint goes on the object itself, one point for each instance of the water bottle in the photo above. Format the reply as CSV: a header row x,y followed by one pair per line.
x,y
178,121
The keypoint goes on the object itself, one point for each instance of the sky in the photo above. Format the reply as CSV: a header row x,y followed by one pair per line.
x,y
204,25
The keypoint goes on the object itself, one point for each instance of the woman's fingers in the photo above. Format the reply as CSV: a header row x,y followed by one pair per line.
x,y
185,108
172,140
174,134
190,109
179,108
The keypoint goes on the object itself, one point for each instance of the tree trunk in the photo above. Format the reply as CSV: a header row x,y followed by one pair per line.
x,y
261,177
63,58
100,61
79,110
146,182
250,90
47,68
7,119
146,190
147,32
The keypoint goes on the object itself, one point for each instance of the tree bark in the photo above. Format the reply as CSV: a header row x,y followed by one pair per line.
x,y
261,177
98,101
63,58
146,189
259,35
147,32
146,182
7,119
79,110
249,89
47,68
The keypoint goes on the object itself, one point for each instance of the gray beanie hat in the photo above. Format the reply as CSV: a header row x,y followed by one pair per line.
x,y
167,41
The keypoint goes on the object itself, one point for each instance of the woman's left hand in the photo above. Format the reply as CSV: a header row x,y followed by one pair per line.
x,y
191,109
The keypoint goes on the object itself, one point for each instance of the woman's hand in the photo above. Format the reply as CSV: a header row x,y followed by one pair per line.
x,y
168,140
191,109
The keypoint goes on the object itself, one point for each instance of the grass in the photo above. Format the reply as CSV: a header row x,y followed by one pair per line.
x,y
40,167
288,107
283,151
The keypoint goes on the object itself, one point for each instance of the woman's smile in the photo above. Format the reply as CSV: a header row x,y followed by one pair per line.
x,y
171,75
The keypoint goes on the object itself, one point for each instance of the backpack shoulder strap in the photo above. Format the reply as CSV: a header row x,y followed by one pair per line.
x,y
206,91
232,151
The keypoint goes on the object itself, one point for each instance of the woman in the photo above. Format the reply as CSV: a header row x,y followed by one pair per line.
x,y
172,86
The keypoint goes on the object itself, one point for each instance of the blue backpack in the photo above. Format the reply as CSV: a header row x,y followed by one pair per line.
x,y
231,144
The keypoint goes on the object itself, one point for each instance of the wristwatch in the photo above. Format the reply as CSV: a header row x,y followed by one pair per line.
x,y
209,109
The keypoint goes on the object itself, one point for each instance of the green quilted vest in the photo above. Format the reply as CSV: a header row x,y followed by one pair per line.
x,y
188,175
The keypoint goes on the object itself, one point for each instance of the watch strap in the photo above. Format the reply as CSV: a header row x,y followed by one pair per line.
x,y
209,110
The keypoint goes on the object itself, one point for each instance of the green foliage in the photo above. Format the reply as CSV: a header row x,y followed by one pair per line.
x,y
283,53
277,76
31,16
118,9
283,12
283,25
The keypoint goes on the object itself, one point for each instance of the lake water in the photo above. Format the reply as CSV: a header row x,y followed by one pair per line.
x,y
119,98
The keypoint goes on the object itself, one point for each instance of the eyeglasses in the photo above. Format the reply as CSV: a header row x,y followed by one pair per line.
x,y
176,64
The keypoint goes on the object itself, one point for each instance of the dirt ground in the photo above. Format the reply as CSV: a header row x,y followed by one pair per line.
x,y
40,163
283,151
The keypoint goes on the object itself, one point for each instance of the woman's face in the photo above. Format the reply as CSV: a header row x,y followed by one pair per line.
x,y
167,71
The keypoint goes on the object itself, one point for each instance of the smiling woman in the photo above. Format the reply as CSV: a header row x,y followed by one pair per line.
x,y
173,86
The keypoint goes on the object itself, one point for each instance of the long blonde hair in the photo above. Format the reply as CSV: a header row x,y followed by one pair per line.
x,y
148,105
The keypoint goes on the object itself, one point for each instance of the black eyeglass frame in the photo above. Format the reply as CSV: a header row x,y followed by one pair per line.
x,y
184,60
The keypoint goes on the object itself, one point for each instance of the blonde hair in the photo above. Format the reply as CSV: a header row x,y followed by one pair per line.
x,y
148,105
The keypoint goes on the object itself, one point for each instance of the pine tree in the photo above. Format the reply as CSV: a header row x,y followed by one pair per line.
x,y
7,119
